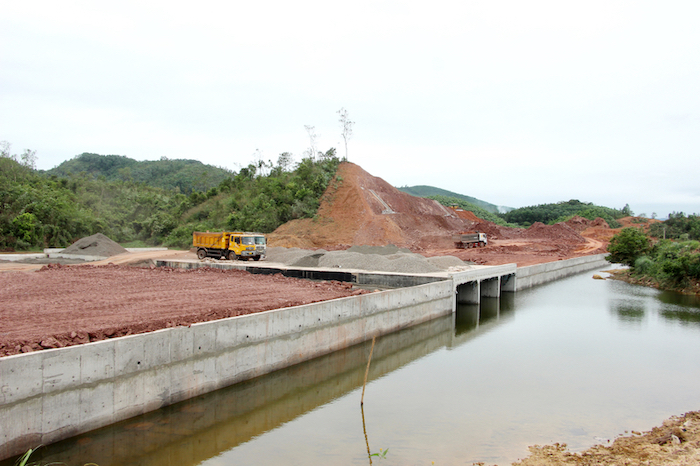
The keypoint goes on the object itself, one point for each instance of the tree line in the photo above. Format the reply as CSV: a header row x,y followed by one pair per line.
x,y
562,211
55,208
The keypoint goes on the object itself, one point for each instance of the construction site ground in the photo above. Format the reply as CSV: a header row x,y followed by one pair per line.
x,y
49,306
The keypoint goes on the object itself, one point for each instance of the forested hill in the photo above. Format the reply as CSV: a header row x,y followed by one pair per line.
x,y
185,175
562,211
429,191
54,209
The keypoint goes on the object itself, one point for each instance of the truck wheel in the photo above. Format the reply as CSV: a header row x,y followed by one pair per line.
x,y
232,256
201,254
256,258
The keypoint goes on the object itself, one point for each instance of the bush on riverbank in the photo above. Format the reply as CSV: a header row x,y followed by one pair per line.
x,y
627,246
671,265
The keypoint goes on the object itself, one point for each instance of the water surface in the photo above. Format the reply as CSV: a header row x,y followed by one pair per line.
x,y
577,361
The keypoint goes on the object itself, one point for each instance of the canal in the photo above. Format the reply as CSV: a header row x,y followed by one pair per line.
x,y
578,361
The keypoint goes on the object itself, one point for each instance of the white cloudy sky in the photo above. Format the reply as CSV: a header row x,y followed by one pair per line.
x,y
513,102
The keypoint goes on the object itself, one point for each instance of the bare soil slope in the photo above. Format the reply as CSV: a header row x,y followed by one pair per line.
x,y
366,210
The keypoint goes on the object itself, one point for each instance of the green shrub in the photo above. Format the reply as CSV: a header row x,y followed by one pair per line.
x,y
644,265
626,246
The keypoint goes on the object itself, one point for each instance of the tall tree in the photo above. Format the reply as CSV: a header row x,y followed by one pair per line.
x,y
311,130
345,128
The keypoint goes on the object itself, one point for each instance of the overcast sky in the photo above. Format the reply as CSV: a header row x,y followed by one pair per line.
x,y
513,102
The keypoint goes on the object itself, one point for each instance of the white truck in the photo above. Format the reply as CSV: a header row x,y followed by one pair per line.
x,y
470,239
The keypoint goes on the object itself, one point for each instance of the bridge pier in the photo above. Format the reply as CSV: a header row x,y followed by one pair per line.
x,y
469,293
491,287
508,283
488,282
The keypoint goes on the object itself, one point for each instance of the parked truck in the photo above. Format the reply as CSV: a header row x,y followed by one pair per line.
x,y
232,245
470,239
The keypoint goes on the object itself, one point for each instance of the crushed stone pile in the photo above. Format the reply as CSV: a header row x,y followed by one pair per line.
x,y
400,263
95,245
446,262
377,258
289,256
381,250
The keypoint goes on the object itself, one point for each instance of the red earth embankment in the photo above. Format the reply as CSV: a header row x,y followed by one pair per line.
x,y
362,209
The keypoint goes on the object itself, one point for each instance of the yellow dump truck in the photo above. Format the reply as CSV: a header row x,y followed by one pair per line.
x,y
232,245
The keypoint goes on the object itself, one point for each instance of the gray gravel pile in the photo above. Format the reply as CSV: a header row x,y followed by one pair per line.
x,y
95,245
445,262
308,261
288,256
382,250
376,258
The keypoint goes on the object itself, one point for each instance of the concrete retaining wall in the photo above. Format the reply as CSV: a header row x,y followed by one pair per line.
x,y
527,277
54,394
234,415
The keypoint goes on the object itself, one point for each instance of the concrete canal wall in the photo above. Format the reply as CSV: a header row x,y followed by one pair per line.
x,y
54,394
229,417
50,395
527,277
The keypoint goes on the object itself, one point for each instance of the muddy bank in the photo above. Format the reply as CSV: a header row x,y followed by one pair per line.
x,y
676,442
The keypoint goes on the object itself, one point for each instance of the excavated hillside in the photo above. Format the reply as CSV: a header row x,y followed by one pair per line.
x,y
366,210
361,209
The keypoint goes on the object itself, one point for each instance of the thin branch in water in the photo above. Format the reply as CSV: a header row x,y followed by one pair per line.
x,y
362,400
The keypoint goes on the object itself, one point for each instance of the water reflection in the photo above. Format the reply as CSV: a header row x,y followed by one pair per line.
x,y
477,386
669,297
628,311
681,308
630,307
470,317
195,430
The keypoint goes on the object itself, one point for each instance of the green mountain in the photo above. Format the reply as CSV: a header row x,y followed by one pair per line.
x,y
139,202
183,175
562,211
428,191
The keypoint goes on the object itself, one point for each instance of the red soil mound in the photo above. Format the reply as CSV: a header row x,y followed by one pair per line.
x,y
366,210
362,209
465,214
559,232
579,223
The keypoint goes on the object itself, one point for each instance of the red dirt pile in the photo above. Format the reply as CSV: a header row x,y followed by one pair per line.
x,y
361,209
557,233
465,214
366,210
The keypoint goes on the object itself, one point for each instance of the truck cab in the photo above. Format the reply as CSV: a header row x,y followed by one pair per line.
x,y
232,245
246,245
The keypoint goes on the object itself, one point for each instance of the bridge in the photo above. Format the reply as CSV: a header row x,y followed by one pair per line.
x,y
469,285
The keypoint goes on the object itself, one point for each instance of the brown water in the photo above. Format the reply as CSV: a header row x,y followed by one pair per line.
x,y
578,361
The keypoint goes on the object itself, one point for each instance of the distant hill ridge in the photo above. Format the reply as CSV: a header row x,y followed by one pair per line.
x,y
185,175
427,191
